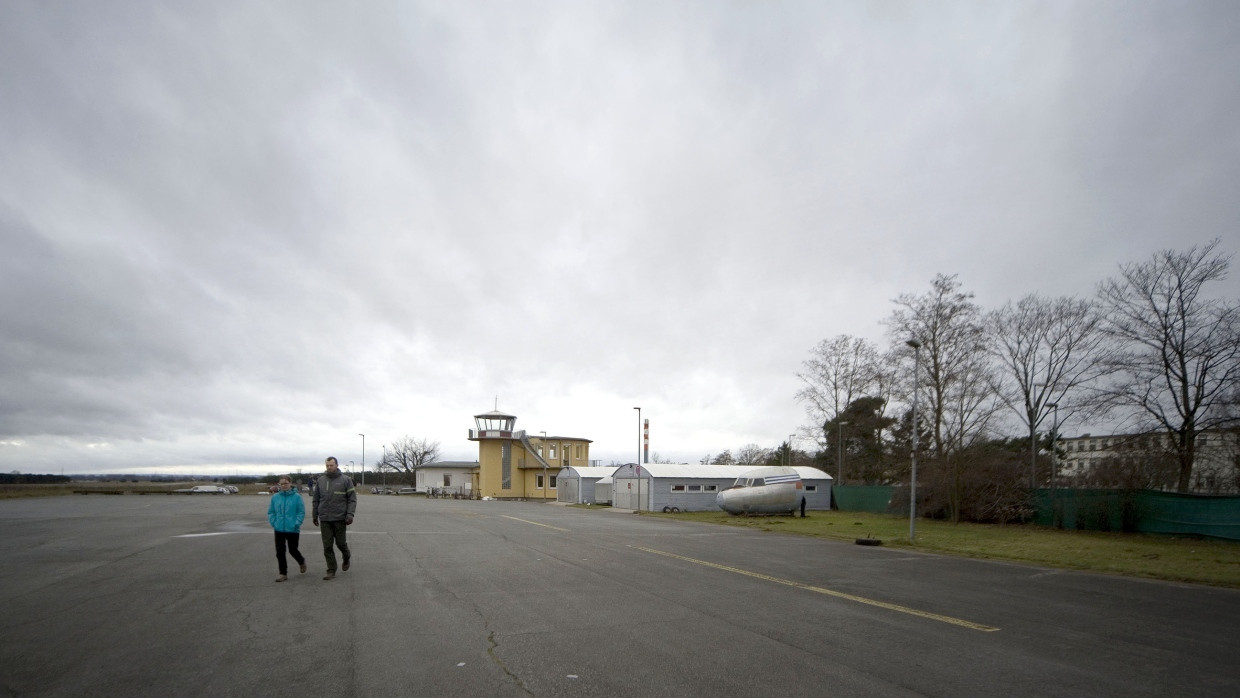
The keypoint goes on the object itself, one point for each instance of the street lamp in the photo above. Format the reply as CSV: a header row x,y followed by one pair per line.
x,y
790,438
543,448
639,457
363,458
383,468
839,476
912,483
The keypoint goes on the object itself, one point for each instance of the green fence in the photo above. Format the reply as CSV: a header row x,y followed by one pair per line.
x,y
872,498
1139,511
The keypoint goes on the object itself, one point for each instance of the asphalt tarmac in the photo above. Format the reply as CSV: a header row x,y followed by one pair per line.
x,y
162,595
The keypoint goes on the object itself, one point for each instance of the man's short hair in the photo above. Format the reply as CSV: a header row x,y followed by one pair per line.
x,y
331,459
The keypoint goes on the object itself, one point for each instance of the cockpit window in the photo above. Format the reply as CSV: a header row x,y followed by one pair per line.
x,y
740,482
758,482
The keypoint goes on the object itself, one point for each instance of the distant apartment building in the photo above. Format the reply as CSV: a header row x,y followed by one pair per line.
x,y
1149,460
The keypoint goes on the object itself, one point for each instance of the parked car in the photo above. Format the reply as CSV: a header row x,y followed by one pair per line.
x,y
407,490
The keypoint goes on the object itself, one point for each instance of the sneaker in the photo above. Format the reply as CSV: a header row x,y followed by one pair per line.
x,y
331,574
303,568
345,566
282,578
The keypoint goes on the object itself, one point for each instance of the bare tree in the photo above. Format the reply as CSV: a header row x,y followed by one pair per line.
x,y
407,454
956,373
1051,351
1179,359
752,453
838,371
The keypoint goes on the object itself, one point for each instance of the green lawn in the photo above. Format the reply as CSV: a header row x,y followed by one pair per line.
x,y
1139,555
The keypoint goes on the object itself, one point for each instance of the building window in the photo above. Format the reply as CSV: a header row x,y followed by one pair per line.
x,y
811,488
538,483
580,451
695,488
552,481
505,477
551,447
447,480
710,488
678,488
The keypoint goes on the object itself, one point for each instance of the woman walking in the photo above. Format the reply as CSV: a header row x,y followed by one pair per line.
x,y
286,512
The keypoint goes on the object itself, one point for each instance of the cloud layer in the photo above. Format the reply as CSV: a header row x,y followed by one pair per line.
x,y
236,237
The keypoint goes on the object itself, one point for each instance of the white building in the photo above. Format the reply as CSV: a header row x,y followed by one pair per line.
x,y
451,477
1216,466
655,486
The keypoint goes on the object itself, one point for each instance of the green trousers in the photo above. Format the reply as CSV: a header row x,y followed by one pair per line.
x,y
334,535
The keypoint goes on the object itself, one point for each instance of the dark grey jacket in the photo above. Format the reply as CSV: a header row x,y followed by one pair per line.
x,y
335,498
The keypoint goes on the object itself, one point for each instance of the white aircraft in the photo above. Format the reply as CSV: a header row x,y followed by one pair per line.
x,y
204,489
770,490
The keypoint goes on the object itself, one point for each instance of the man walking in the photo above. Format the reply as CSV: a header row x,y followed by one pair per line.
x,y
335,500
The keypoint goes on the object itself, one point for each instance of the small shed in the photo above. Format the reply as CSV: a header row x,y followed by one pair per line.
x,y
579,484
602,490
448,477
660,486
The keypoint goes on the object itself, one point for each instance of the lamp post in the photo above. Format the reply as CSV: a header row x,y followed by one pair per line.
x,y
383,468
788,461
543,448
363,458
639,457
839,465
912,482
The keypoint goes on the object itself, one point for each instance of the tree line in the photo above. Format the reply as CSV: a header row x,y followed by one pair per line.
x,y
1151,352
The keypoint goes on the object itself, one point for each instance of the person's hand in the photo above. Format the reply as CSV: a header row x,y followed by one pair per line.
x,y
348,521
315,520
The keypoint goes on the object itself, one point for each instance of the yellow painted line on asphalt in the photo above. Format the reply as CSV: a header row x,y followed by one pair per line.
x,y
534,523
829,592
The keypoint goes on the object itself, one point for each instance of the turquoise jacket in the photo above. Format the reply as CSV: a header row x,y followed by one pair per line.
x,y
286,511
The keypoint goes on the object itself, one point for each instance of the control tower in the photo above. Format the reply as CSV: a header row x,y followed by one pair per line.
x,y
511,465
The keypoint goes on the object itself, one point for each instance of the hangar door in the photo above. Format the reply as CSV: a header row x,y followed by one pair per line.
x,y
631,493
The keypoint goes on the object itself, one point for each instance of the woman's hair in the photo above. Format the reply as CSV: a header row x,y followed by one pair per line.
x,y
286,477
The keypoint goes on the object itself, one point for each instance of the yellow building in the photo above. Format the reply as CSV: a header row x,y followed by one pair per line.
x,y
512,465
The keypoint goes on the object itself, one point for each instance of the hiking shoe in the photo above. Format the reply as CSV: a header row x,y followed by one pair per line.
x,y
282,578
345,566
303,568
331,574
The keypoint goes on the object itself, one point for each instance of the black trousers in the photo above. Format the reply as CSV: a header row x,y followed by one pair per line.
x,y
291,540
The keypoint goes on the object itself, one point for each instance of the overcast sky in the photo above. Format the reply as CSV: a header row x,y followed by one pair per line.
x,y
238,234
